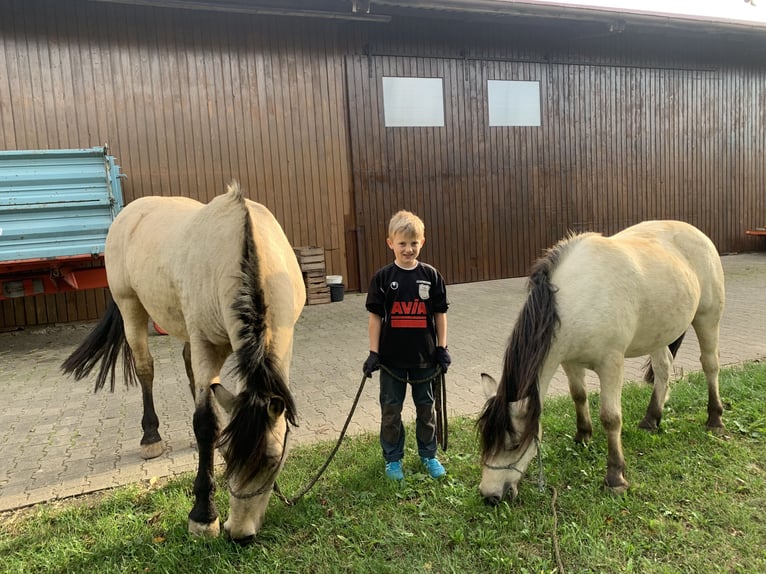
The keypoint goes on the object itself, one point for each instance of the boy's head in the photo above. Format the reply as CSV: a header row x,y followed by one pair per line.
x,y
406,236
406,223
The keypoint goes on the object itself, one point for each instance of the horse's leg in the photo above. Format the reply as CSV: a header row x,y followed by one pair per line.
x,y
662,363
225,398
707,335
206,365
576,377
188,365
137,334
610,374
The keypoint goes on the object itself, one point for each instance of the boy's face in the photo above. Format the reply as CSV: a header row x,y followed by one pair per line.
x,y
406,249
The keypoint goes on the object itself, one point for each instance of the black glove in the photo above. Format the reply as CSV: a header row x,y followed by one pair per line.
x,y
371,365
443,359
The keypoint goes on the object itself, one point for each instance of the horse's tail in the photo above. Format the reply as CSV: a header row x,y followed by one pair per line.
x,y
649,371
528,347
103,345
256,365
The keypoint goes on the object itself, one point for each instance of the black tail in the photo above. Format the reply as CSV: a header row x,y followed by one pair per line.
x,y
649,371
245,435
528,347
103,344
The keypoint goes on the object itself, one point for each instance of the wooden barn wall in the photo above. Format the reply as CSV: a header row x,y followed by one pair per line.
x,y
186,100
633,128
636,125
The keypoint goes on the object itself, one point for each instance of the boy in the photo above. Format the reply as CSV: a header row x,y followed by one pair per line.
x,y
407,301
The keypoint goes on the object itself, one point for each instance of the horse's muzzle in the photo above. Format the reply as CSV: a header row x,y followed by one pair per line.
x,y
246,541
495,498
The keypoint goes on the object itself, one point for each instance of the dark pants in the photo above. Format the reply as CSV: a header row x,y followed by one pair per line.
x,y
392,393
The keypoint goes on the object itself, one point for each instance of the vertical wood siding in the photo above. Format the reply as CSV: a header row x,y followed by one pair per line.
x,y
618,144
186,101
645,124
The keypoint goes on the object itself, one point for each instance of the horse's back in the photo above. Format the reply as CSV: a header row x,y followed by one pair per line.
x,y
636,290
146,222
183,261
678,237
691,246
139,256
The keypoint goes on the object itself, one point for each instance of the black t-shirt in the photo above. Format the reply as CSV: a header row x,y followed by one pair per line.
x,y
407,299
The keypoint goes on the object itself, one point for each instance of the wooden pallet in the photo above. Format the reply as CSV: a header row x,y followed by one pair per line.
x,y
317,290
311,260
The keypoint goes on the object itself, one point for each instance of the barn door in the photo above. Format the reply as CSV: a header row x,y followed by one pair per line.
x,y
471,184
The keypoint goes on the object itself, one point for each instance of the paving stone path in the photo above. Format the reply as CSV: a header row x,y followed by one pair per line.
x,y
58,438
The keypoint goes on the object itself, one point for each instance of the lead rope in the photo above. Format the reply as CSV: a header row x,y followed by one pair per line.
x,y
554,535
541,486
441,430
312,482
440,406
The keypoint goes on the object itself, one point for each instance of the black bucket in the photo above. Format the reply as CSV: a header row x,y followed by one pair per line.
x,y
336,292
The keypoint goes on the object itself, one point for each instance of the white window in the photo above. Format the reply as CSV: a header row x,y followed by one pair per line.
x,y
413,102
513,103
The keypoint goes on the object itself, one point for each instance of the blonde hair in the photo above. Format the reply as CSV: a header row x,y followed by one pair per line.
x,y
407,223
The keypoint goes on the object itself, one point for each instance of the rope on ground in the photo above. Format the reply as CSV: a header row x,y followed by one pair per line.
x,y
541,485
313,481
554,533
541,480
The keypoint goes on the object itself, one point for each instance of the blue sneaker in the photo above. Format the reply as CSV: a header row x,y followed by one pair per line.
x,y
433,466
394,470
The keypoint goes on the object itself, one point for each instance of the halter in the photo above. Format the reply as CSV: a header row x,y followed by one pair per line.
x,y
513,466
269,484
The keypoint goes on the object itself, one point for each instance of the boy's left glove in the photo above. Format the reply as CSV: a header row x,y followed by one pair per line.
x,y
371,365
443,359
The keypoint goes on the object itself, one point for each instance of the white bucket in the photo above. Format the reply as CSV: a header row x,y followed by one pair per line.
x,y
334,279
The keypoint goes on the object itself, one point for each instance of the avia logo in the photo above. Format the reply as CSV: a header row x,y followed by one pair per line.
x,y
409,315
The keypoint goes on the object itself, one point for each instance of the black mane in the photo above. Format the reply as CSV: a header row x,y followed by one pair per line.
x,y
246,435
527,349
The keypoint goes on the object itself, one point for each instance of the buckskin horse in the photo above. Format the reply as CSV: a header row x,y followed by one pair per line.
x,y
222,278
593,301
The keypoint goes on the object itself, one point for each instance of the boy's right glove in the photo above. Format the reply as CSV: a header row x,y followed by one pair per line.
x,y
371,365
443,359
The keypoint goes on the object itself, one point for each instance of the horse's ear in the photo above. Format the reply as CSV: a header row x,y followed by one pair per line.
x,y
276,407
489,384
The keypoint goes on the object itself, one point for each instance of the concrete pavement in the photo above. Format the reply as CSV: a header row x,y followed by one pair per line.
x,y
59,439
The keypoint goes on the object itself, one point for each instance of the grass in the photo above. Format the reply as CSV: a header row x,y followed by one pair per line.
x,y
696,504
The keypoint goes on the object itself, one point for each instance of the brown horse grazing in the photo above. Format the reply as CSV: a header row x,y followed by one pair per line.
x,y
592,302
223,278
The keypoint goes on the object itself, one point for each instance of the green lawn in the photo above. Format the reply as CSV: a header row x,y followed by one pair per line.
x,y
696,504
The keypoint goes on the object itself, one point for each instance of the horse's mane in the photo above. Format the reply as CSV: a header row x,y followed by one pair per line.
x,y
527,349
247,431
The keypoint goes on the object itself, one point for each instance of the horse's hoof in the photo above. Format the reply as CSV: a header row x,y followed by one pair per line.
x,y
717,430
582,438
211,530
618,489
151,450
649,425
